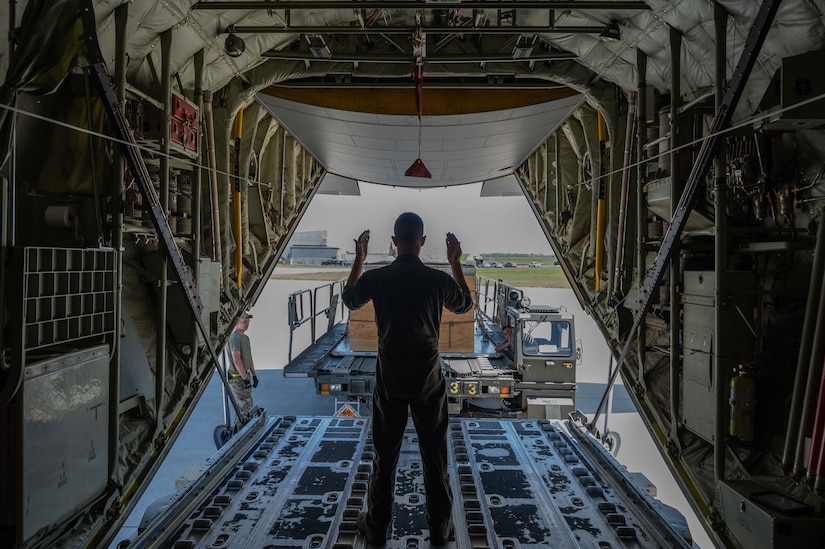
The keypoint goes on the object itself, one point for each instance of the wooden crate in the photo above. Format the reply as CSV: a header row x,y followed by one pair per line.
x,y
457,335
456,330
363,334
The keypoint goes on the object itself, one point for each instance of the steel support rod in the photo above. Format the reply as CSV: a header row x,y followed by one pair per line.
x,y
618,267
236,197
402,58
315,83
14,369
676,186
641,203
422,4
545,176
5,207
402,30
601,204
163,276
121,17
559,192
212,166
803,362
756,37
815,457
720,257
812,385
197,193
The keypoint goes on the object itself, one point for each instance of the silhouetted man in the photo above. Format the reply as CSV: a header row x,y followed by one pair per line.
x,y
408,297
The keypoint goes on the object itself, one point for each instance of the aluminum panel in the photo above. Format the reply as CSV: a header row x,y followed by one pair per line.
x,y
698,401
341,139
64,436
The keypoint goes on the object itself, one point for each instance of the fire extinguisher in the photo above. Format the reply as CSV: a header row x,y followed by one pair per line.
x,y
742,404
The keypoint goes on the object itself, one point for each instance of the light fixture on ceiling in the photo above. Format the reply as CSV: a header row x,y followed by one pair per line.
x,y
611,32
317,47
523,49
234,45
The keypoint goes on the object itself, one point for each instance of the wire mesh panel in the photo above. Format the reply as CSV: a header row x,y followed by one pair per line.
x,y
68,294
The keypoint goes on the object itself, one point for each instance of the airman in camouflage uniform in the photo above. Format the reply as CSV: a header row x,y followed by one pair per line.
x,y
242,376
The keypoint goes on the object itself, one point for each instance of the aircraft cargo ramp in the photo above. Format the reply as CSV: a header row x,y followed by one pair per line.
x,y
301,482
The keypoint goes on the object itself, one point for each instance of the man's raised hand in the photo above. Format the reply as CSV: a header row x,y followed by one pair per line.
x,y
362,245
453,249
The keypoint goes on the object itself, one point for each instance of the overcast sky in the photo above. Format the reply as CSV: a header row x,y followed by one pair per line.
x,y
483,225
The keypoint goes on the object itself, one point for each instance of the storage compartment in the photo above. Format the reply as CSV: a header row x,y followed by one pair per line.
x,y
798,80
699,392
762,518
64,436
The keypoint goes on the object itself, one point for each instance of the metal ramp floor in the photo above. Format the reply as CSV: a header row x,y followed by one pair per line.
x,y
301,482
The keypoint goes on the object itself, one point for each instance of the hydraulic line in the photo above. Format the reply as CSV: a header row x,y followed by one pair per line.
x,y
92,163
237,199
816,460
121,19
720,348
628,149
803,363
557,173
814,371
641,198
676,188
600,212
163,277
197,186
213,177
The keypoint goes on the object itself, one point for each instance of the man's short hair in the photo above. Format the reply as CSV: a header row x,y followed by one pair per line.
x,y
409,227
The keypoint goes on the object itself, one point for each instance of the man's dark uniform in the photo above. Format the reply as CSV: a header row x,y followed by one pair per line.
x,y
408,297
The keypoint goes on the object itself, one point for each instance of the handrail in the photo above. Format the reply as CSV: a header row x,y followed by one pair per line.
x,y
295,314
500,298
296,308
299,314
483,298
332,304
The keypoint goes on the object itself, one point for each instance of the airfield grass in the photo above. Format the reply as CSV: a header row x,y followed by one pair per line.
x,y
547,276
528,277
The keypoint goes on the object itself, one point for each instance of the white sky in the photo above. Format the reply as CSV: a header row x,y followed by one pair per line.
x,y
482,225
